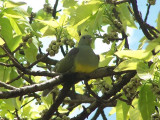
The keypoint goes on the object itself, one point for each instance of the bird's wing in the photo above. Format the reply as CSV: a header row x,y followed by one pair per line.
x,y
66,64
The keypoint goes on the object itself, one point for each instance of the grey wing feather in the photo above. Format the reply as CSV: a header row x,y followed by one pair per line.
x,y
66,64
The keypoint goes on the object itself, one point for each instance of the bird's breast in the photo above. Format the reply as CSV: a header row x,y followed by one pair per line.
x,y
86,61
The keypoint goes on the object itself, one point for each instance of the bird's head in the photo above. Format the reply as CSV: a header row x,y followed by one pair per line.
x,y
85,40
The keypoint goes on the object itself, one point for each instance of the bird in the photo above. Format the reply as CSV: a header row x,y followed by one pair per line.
x,y
80,59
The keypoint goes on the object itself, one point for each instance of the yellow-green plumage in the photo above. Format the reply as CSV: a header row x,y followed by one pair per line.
x,y
80,59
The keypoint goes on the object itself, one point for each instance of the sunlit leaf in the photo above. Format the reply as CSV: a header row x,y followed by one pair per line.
x,y
53,23
11,4
138,54
112,111
79,88
158,21
152,44
142,42
130,64
6,30
32,50
105,60
134,112
14,43
15,26
157,48
121,45
62,109
146,102
68,3
126,16
121,110
1,41
48,31
143,71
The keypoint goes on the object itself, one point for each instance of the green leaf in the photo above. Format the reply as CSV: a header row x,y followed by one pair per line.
x,y
14,43
32,50
15,13
79,15
1,41
130,64
105,60
41,15
112,111
157,48
146,102
27,114
138,54
143,71
48,100
4,73
158,21
10,104
121,45
15,26
79,88
62,110
134,112
68,3
152,44
6,30
52,23
11,4
63,20
48,31
142,42
73,32
125,16
13,75
121,110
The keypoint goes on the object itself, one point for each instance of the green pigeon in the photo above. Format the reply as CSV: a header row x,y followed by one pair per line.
x,y
80,59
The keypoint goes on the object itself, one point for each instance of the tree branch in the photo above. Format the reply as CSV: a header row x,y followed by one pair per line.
x,y
47,60
55,9
69,77
117,87
148,8
7,86
31,89
40,59
58,101
139,20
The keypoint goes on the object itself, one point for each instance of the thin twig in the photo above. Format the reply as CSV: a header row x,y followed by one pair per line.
x,y
148,8
62,50
90,91
40,59
55,9
103,114
27,103
14,60
7,86
5,55
18,77
96,115
7,65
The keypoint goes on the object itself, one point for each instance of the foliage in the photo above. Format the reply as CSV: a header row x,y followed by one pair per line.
x,y
131,78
